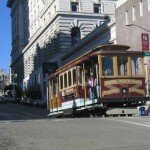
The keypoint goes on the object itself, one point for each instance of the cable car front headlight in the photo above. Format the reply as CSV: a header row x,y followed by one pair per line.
x,y
125,90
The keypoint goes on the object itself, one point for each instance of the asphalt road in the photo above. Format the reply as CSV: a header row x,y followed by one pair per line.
x,y
20,112
28,128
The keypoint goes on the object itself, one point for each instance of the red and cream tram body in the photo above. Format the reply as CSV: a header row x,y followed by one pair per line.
x,y
108,75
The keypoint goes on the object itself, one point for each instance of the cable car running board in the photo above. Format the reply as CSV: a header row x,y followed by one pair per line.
x,y
122,111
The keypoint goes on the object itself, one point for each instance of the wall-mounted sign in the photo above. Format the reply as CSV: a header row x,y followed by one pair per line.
x,y
146,54
145,41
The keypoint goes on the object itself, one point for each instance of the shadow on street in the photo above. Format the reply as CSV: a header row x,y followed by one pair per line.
x,y
18,112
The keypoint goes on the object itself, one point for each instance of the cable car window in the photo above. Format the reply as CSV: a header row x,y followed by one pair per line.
x,y
80,75
136,65
61,82
69,78
107,66
54,87
88,73
74,76
65,80
122,65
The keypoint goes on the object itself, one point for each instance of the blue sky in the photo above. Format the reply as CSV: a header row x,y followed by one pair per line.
x,y
5,35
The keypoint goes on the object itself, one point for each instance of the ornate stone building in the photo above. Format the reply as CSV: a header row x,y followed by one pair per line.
x,y
44,30
4,81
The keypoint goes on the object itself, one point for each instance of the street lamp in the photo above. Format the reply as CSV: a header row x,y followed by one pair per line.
x,y
129,25
145,49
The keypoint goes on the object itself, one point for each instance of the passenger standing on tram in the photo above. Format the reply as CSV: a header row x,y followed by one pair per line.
x,y
91,84
97,88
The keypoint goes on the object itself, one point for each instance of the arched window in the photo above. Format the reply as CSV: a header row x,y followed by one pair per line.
x,y
75,35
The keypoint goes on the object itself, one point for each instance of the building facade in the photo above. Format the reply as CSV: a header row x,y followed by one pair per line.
x,y
104,34
4,81
45,30
133,29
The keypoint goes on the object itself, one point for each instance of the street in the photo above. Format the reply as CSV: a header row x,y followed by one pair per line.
x,y
21,112
28,128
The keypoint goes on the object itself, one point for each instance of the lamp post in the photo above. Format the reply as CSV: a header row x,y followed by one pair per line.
x,y
129,25
146,52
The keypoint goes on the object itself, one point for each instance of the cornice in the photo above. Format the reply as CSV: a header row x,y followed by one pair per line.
x,y
10,3
42,30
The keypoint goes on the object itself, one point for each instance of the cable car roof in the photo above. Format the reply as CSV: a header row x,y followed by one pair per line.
x,y
113,47
103,49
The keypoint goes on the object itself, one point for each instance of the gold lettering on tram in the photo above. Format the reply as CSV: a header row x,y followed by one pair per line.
x,y
122,81
131,90
115,90
109,92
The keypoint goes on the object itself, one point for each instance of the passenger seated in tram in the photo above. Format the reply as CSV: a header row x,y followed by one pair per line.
x,y
107,65
108,71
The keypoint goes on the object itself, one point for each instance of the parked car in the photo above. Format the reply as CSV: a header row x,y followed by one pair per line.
x,y
36,102
43,104
2,100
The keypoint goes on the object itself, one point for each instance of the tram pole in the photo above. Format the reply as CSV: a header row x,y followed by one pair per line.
x,y
93,80
84,84
147,81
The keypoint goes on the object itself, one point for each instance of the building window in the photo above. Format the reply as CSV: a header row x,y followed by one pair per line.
x,y
133,13
31,6
38,79
74,6
38,12
34,16
97,8
55,8
141,8
75,35
126,17
148,5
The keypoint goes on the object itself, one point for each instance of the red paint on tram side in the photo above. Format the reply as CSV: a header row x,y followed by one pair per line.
x,y
122,87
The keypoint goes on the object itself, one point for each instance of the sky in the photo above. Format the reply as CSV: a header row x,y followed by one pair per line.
x,y
5,36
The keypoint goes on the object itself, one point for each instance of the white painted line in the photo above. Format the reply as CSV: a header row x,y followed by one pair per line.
x,y
139,124
61,120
